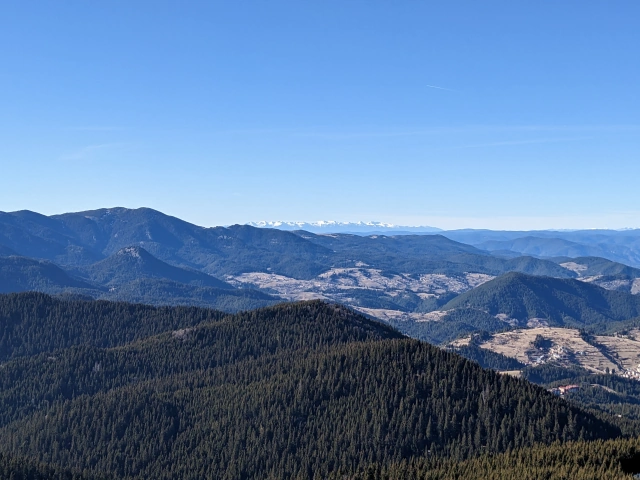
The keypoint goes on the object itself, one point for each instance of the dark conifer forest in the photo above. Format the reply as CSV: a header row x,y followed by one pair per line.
x,y
303,390
609,460
16,468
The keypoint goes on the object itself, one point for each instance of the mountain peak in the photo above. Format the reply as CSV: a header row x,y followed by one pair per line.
x,y
134,262
134,252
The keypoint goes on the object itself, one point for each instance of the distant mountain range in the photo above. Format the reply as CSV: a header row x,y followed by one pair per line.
x,y
359,228
145,256
617,245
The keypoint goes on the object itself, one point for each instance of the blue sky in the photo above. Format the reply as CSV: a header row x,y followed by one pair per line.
x,y
506,115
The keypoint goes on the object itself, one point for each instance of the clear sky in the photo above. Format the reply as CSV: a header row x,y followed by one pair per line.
x,y
496,114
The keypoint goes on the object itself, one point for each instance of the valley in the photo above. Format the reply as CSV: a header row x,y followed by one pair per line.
x,y
426,285
361,288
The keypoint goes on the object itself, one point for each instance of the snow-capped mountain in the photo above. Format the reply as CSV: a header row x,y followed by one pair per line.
x,y
331,226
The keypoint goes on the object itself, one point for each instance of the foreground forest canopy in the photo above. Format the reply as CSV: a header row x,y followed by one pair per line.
x,y
299,390
16,468
610,460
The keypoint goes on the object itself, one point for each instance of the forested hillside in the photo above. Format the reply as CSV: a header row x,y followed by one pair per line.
x,y
15,468
517,300
33,323
135,263
592,266
292,391
610,460
558,302
18,274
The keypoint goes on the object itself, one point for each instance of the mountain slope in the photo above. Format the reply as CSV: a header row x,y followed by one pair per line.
x,y
557,302
131,275
83,238
216,250
591,266
7,252
293,391
534,266
517,300
18,274
34,235
611,460
544,247
33,323
152,291
15,468
415,254
135,263
603,272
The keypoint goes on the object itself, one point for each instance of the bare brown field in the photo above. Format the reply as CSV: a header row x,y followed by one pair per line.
x,y
567,348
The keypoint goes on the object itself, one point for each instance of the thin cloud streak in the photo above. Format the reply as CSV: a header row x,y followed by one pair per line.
x,y
440,88
89,151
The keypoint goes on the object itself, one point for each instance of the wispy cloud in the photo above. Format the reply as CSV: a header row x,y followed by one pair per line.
x,y
440,88
86,153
